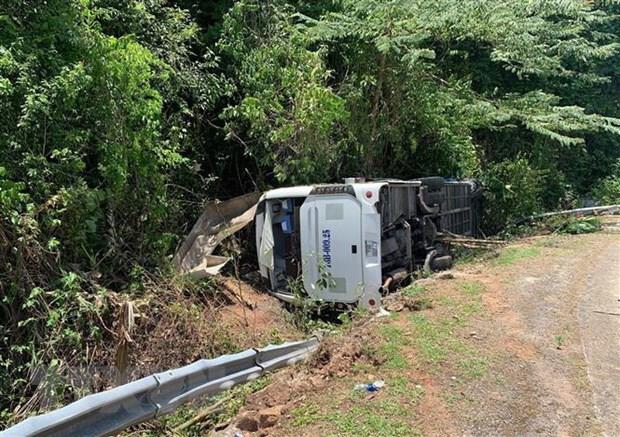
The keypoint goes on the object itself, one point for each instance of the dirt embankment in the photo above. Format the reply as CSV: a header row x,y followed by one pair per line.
x,y
176,324
506,346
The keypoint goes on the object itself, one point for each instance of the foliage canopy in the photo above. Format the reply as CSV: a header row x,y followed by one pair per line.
x,y
120,117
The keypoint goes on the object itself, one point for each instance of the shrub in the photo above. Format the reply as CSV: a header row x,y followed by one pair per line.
x,y
607,192
513,190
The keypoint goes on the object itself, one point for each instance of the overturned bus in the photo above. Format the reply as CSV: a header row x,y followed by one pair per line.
x,y
351,242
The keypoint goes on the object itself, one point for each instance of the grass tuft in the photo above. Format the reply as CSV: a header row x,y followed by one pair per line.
x,y
414,290
305,415
391,349
472,288
386,418
511,255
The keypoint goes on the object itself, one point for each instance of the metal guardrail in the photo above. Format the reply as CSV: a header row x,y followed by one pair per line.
x,y
113,410
594,210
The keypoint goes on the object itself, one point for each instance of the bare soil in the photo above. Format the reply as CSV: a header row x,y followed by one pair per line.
x,y
175,328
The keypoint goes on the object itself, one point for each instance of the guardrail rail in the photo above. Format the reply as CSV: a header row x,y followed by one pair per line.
x,y
153,396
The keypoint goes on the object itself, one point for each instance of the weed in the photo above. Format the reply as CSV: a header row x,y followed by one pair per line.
x,y
511,255
421,304
551,241
392,334
464,255
385,418
559,341
404,387
394,359
430,339
413,290
180,416
345,319
275,336
369,350
472,288
474,367
391,349
306,415
453,397
234,400
573,225
239,394
362,368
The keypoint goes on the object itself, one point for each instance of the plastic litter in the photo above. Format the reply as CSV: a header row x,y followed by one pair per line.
x,y
372,387
382,312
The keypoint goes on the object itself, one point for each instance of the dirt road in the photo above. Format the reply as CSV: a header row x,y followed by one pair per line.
x,y
557,315
599,325
527,343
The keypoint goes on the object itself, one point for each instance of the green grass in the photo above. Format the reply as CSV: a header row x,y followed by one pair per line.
x,y
472,288
453,397
438,341
391,348
414,290
419,293
431,339
392,334
511,255
363,367
398,385
440,346
464,256
388,417
305,415
472,304
474,367
446,301
402,386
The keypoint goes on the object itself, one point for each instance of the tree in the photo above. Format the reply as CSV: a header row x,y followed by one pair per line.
x,y
451,86
282,112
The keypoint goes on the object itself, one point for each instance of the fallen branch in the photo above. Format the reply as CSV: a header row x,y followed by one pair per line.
x,y
474,241
202,415
473,246
607,313
468,241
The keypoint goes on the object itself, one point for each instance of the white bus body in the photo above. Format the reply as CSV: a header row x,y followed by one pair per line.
x,y
347,241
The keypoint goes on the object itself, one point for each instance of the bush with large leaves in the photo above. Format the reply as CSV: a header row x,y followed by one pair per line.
x,y
93,130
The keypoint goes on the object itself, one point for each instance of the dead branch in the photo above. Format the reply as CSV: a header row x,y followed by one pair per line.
x,y
203,414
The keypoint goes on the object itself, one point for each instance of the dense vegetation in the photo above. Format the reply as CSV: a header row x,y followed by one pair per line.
x,y
120,117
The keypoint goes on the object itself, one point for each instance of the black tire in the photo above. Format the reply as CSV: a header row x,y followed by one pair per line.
x,y
441,263
433,183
